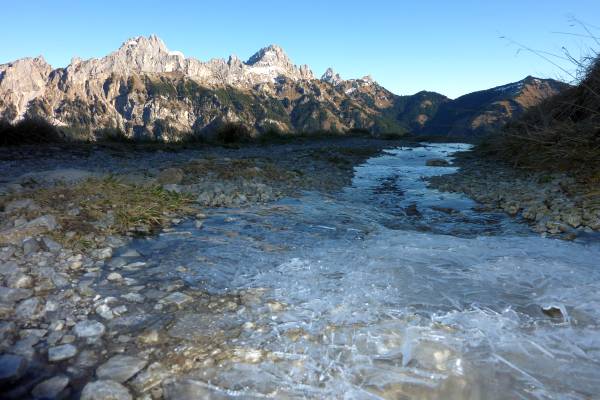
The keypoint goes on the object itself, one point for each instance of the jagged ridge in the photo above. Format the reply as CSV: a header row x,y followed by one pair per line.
x,y
145,89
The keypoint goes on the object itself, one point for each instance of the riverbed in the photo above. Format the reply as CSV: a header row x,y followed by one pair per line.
x,y
387,289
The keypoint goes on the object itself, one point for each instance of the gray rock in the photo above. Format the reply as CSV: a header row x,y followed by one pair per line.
x,y
45,221
28,309
104,311
176,298
12,295
117,262
51,245
24,347
6,310
150,378
105,390
50,388
133,297
89,328
62,352
131,253
54,337
12,367
104,253
16,205
19,222
8,268
114,277
30,245
6,252
7,328
573,219
120,368
20,280
170,176
171,187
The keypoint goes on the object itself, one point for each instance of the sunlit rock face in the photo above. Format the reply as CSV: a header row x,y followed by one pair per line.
x,y
145,89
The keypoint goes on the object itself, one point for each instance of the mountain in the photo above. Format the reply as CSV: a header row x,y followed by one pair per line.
x,y
146,90
488,110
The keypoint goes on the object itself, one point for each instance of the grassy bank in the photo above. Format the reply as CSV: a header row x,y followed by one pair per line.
x,y
562,134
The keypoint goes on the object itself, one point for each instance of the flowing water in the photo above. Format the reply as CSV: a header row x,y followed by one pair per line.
x,y
388,290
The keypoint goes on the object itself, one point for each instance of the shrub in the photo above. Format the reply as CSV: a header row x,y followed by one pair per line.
x,y
113,135
392,135
29,131
359,132
232,132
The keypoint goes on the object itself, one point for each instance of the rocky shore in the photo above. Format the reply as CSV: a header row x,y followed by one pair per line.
x,y
552,203
82,316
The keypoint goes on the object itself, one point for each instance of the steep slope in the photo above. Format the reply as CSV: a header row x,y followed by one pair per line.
x,y
488,110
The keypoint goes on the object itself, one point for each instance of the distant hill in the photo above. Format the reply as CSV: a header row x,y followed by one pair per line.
x,y
146,90
562,133
488,110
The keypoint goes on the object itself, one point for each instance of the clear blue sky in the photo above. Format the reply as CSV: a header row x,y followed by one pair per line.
x,y
450,46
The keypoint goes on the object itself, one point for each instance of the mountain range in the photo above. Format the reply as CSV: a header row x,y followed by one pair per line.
x,y
145,90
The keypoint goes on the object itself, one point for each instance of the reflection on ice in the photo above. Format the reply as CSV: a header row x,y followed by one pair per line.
x,y
389,290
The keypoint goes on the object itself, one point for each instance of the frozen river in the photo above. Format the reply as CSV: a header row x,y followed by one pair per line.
x,y
387,290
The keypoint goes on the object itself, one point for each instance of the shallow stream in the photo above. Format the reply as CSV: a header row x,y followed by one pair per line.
x,y
388,289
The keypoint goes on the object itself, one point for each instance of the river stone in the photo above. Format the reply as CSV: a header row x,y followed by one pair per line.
x,y
105,390
16,205
12,367
150,378
133,297
176,298
50,388
12,295
6,252
131,253
30,245
20,280
45,221
104,311
170,176
8,268
114,277
51,245
437,162
89,328
28,309
7,328
104,253
62,352
117,262
120,368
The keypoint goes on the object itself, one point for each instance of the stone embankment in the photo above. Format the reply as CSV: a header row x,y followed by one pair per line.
x,y
553,203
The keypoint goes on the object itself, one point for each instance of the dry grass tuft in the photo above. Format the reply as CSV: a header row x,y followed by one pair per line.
x,y
108,206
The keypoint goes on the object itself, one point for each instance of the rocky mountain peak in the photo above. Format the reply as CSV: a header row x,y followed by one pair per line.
x,y
272,62
270,55
21,81
136,55
332,77
150,44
